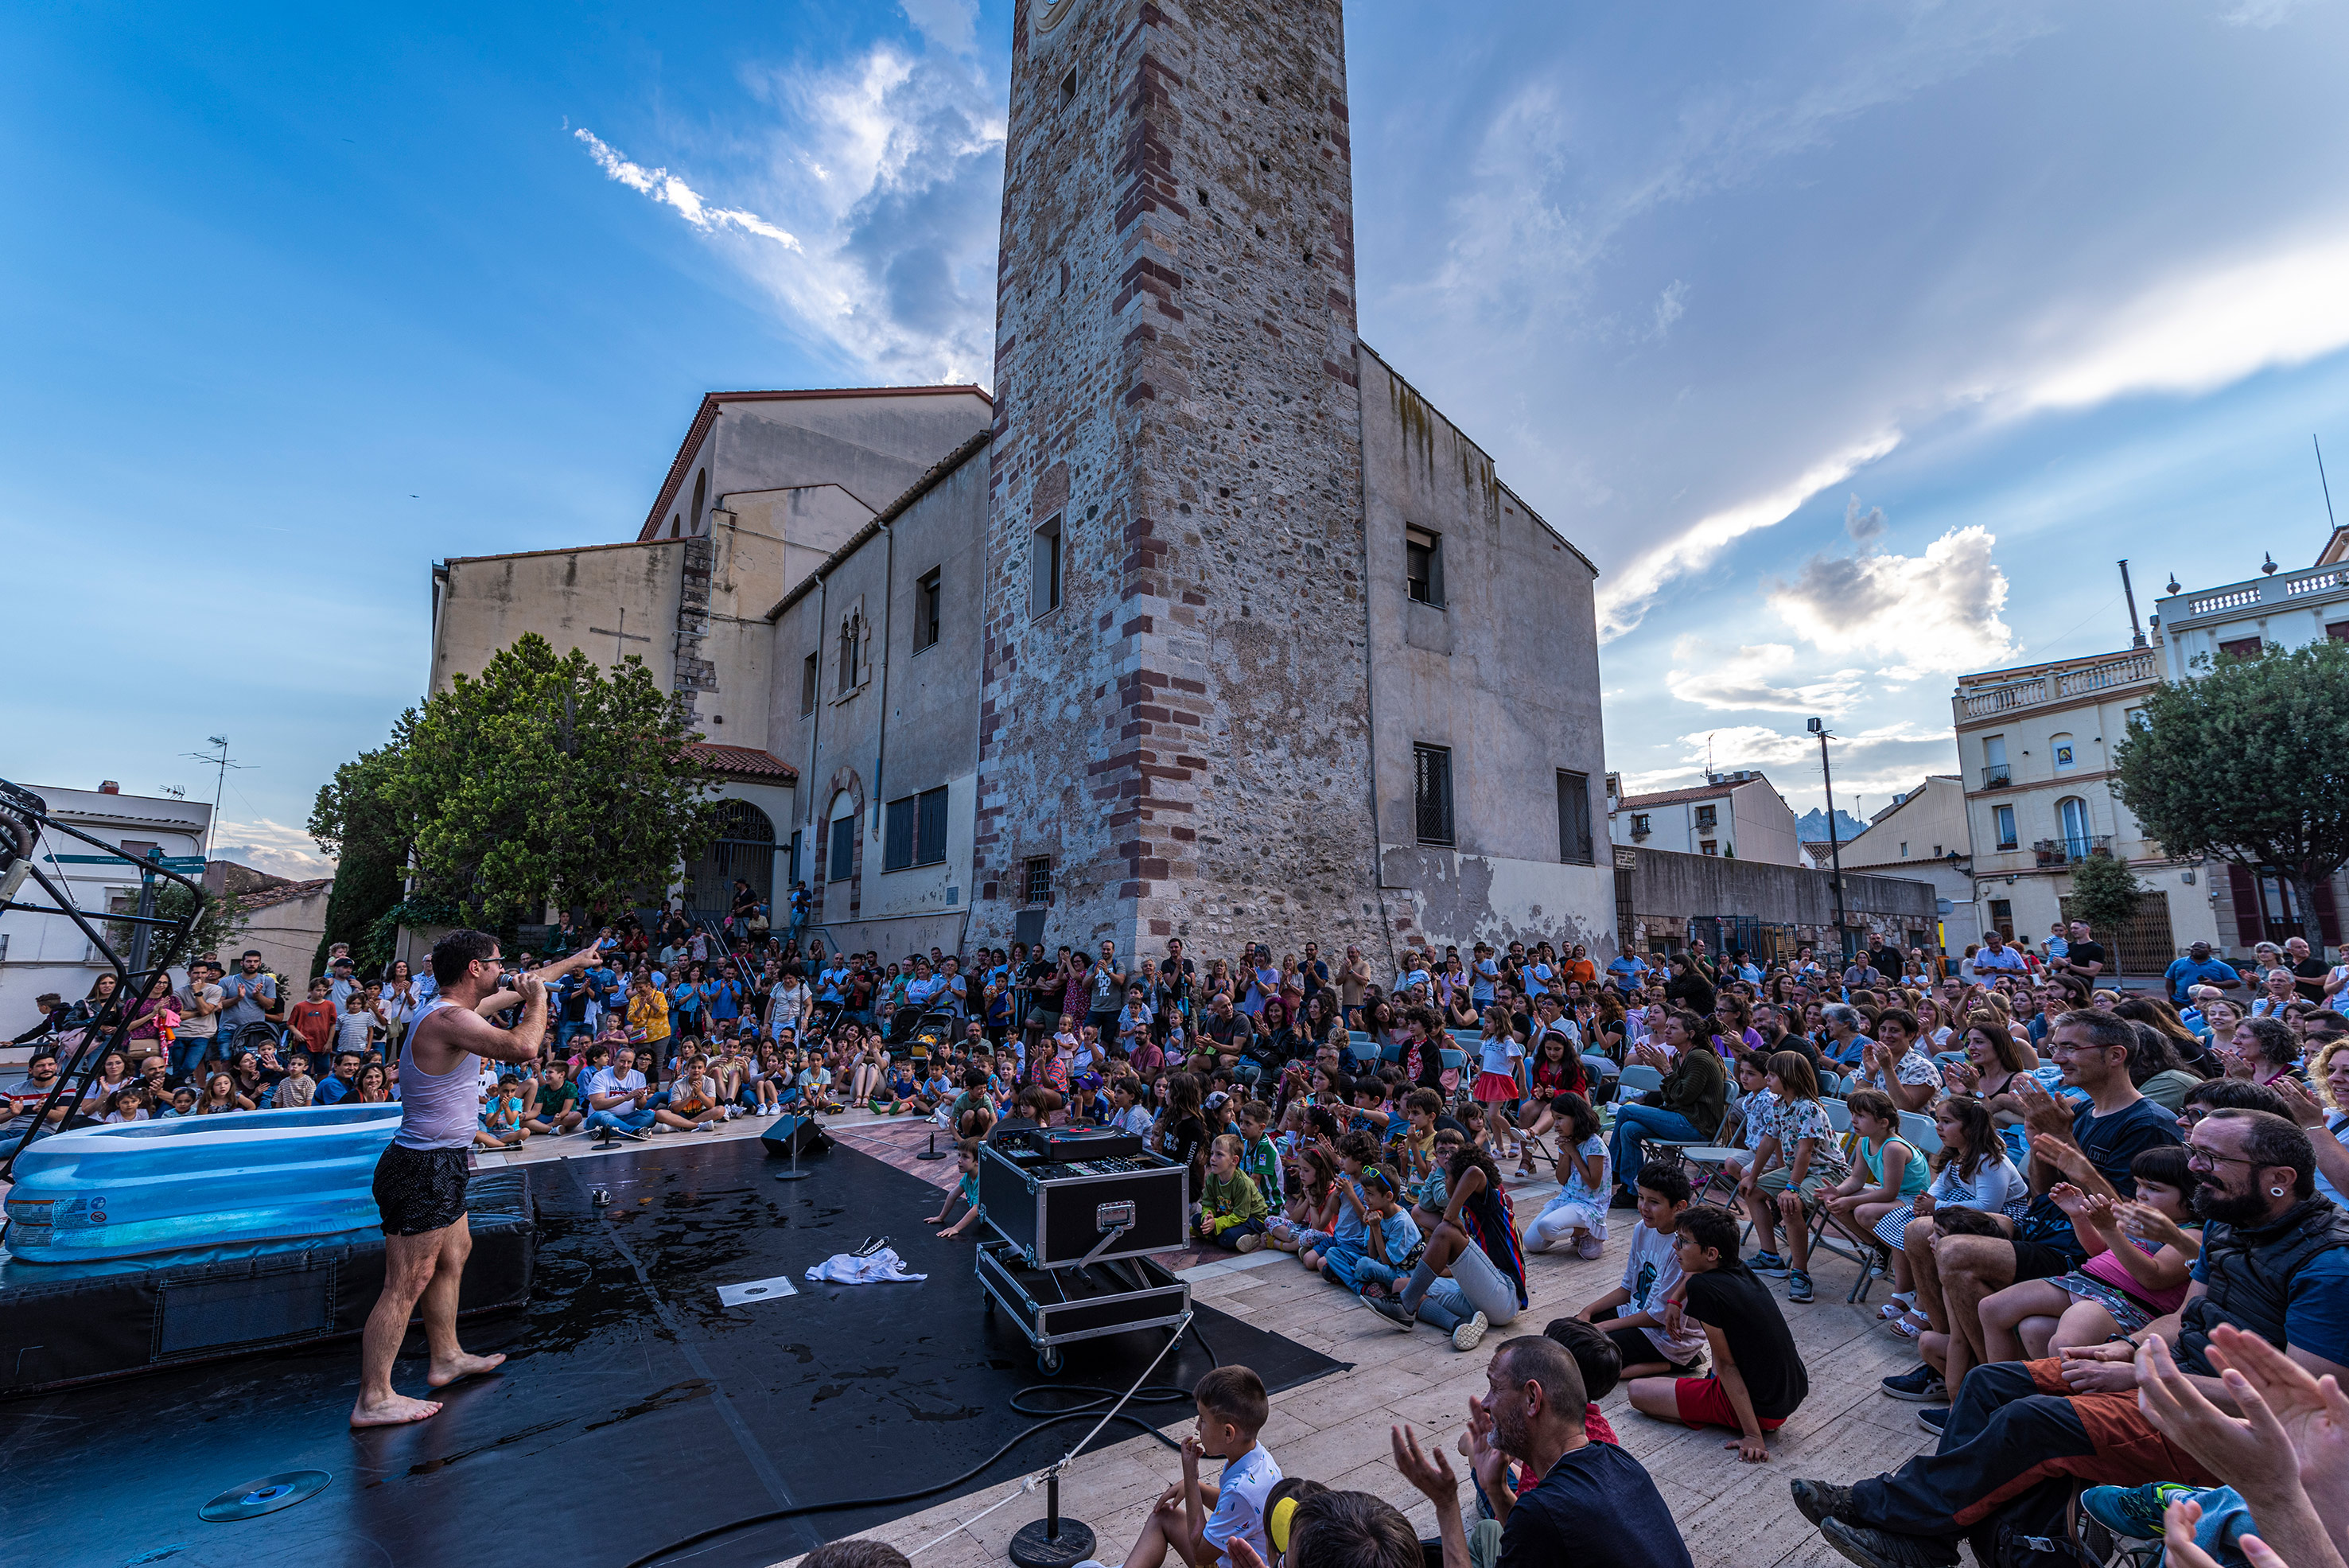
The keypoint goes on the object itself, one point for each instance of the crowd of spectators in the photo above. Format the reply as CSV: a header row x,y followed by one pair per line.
x,y
2080,1196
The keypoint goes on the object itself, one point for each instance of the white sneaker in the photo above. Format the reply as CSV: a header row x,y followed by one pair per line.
x,y
1468,1335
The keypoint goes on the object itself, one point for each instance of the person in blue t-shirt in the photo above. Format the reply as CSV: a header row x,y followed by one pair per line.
x,y
2198,968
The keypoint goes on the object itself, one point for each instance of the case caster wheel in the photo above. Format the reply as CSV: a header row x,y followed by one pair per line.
x,y
986,1304
1048,1360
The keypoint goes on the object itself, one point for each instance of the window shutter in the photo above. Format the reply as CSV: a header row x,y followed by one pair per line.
x,y
932,846
2246,893
897,836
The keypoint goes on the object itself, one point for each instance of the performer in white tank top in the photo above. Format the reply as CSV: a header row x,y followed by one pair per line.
x,y
419,1181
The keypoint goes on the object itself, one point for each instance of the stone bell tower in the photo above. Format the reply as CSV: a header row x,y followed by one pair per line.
x,y
1174,720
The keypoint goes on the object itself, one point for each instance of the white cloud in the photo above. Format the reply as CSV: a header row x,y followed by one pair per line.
x,y
1712,676
1934,612
1670,306
667,189
883,174
1877,760
271,846
2196,333
2261,14
949,24
1624,600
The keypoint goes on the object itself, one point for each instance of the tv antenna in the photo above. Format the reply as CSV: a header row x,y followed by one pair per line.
x,y
220,765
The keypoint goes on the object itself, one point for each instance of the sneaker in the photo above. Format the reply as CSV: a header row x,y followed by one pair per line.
x,y
2135,1512
1590,1247
1933,1417
1392,1311
633,1134
1922,1386
1872,1548
1248,1243
1799,1285
1467,1334
1769,1264
718,1126
1819,1501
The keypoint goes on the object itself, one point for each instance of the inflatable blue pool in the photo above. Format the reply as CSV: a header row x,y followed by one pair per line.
x,y
139,1187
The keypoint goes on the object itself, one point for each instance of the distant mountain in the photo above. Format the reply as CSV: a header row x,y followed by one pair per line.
x,y
1812,826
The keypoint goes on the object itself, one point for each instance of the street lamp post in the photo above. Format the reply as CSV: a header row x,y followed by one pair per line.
x,y
1835,845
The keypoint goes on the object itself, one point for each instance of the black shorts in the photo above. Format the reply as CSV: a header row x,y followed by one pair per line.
x,y
2034,1262
420,1190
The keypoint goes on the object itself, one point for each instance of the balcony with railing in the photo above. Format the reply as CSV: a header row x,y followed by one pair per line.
x,y
2077,847
2021,689
1998,776
2181,610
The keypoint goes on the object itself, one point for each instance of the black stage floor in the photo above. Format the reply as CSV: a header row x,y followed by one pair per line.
x,y
634,1410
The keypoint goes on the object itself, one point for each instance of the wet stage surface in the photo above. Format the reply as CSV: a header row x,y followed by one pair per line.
x,y
633,1408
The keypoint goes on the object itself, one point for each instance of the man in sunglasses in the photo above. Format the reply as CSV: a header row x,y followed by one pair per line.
x,y
2274,1262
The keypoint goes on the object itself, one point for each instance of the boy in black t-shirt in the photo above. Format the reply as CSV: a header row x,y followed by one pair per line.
x,y
1757,1378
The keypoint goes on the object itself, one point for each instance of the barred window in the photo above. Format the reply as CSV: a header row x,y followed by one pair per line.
x,y
1039,880
1432,790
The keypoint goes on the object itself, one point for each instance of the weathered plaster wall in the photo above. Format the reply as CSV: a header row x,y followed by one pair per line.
x,y
1505,673
1187,736
484,603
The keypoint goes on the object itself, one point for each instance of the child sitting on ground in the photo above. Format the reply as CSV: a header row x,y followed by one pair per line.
x,y
1652,1342
1312,1207
1231,1211
1578,1212
1261,1159
502,1117
1394,1242
1757,1378
966,1187
1335,1251
1199,1520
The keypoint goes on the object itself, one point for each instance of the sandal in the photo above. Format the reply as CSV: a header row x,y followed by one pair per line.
x,y
1910,1327
1899,1304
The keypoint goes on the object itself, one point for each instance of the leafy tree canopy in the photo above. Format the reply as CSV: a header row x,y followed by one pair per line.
x,y
2246,762
542,780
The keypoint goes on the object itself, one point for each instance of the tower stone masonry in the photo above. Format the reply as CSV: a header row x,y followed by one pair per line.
x,y
1184,735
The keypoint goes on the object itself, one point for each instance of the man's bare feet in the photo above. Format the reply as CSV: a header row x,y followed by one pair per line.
x,y
444,1373
398,1410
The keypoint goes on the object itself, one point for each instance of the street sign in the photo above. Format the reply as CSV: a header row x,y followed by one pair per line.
x,y
185,865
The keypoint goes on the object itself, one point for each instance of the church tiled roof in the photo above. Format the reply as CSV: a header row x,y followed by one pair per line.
x,y
743,762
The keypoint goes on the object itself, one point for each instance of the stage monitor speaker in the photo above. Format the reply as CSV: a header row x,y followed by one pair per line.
x,y
786,1133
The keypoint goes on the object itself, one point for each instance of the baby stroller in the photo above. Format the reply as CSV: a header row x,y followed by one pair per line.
x,y
931,1027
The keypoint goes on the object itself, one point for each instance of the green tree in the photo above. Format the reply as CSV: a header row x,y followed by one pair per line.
x,y
219,925
542,780
2104,893
352,824
2245,763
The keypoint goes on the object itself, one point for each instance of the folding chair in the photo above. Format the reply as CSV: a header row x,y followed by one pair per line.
x,y
1839,1242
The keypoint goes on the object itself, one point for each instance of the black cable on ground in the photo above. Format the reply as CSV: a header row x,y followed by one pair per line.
x,y
1148,1394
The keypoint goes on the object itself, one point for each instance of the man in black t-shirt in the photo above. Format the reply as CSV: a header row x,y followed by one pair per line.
x,y
1595,1506
2309,972
2083,958
1757,1378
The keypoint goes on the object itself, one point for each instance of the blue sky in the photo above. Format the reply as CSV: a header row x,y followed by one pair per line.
x,y
1853,342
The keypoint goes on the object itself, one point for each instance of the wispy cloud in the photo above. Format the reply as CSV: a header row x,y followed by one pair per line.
x,y
271,846
1624,598
668,189
1745,678
1881,758
880,177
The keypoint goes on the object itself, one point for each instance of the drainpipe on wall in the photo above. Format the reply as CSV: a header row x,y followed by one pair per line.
x,y
888,619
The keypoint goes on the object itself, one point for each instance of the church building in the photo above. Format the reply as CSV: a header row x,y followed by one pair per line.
x,y
1204,624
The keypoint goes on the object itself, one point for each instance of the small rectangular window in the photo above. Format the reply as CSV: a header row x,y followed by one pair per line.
x,y
930,827
844,847
1423,569
1038,886
1574,817
1044,591
2005,817
807,686
929,601
1432,793
2240,647
795,873
897,835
